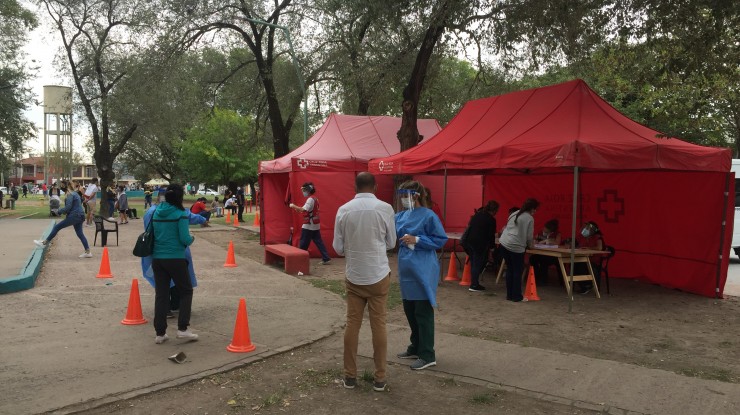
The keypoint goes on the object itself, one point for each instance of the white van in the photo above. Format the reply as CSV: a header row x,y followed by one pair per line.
x,y
736,229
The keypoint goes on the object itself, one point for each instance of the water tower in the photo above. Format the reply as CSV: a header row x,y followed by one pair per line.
x,y
57,132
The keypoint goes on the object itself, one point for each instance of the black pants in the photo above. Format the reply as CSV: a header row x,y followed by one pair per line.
x,y
241,210
478,262
177,271
514,269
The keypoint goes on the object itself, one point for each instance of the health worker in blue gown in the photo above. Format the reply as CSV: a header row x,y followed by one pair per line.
x,y
420,234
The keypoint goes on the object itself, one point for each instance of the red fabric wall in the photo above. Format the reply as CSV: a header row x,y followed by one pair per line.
x,y
275,217
665,225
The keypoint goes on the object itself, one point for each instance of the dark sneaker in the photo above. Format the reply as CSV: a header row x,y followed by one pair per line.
x,y
476,288
420,364
349,383
327,262
379,386
407,355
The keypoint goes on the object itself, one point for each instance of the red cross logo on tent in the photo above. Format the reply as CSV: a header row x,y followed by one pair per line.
x,y
302,163
380,165
610,205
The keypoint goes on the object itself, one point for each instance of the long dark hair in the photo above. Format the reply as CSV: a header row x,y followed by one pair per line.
x,y
528,206
492,207
174,195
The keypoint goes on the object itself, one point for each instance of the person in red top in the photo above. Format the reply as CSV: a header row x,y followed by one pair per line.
x,y
200,208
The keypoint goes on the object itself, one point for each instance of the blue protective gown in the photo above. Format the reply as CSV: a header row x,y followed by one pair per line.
x,y
418,269
146,262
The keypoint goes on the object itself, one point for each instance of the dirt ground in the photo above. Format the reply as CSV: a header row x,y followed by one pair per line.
x,y
637,323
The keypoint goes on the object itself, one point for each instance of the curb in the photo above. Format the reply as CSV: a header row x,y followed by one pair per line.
x,y
106,400
28,274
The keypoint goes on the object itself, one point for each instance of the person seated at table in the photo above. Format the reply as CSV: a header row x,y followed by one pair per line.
x,y
541,263
589,238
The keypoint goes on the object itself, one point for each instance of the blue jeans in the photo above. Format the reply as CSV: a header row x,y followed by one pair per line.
x,y
514,269
206,215
75,221
307,236
111,207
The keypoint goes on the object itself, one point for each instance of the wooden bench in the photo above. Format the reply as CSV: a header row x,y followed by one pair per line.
x,y
295,259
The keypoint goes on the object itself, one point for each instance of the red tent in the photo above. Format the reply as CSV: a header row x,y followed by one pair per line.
x,y
330,159
661,202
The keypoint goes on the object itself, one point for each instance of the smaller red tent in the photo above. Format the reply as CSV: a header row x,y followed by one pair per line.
x,y
330,159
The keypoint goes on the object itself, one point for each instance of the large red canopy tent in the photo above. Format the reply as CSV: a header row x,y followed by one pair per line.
x,y
661,202
330,159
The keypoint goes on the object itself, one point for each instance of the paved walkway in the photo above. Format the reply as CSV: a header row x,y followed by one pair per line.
x,y
63,348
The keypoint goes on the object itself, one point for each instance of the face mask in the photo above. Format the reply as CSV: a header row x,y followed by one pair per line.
x,y
305,193
407,202
586,233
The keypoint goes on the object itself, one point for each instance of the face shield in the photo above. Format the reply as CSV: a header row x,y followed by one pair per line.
x,y
407,198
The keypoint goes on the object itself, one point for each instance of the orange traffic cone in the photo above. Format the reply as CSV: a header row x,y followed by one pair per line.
x,y
230,261
256,218
104,271
452,269
466,273
241,342
133,314
531,292
228,215
236,221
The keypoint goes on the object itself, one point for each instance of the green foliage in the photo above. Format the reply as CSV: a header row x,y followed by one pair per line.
x,y
219,149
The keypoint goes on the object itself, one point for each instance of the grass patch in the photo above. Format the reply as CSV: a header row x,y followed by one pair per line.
x,y
274,398
367,376
487,398
311,378
725,344
335,286
721,375
394,296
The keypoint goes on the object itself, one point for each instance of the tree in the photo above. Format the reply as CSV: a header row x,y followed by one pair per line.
x,y
99,39
15,96
221,150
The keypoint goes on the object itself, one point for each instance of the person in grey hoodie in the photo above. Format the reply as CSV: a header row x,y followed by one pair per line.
x,y
170,225
515,239
75,217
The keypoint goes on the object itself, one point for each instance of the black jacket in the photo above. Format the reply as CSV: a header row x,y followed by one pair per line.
x,y
482,232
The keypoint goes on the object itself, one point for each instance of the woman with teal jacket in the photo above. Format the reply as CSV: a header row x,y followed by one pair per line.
x,y
170,225
420,234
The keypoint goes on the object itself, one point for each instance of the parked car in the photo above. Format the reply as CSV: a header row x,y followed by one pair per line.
x,y
4,190
208,192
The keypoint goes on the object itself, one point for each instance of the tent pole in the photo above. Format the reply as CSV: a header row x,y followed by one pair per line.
x,y
444,204
722,235
573,238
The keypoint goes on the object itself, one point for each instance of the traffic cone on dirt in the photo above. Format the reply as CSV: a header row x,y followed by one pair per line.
x,y
452,269
133,314
228,215
531,292
466,273
256,218
230,261
236,221
104,271
241,342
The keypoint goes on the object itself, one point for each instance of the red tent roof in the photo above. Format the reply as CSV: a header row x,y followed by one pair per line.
x,y
563,125
346,143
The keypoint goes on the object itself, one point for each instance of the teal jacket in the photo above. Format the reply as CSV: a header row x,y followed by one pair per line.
x,y
171,233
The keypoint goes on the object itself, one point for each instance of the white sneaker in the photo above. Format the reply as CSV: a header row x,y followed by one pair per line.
x,y
187,334
161,339
40,242
86,255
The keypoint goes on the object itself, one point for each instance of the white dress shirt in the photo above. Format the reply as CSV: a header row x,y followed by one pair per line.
x,y
363,231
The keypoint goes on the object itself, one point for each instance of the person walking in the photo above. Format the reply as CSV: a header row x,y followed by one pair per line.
x,y
25,190
110,196
364,230
420,233
171,236
91,197
481,238
514,241
122,205
311,228
75,218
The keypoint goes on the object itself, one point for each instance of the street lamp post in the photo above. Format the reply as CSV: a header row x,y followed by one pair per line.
x,y
297,69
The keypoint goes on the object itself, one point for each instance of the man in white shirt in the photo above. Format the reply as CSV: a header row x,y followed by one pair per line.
x,y
91,198
364,230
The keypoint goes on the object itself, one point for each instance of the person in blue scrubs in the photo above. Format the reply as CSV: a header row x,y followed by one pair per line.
x,y
420,233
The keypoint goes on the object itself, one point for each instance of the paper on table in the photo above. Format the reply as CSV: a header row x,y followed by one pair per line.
x,y
545,246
